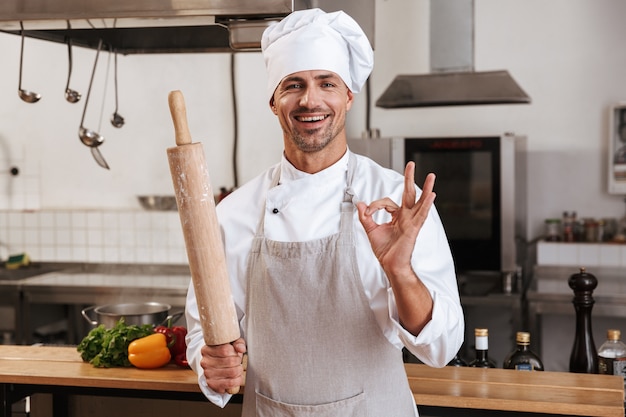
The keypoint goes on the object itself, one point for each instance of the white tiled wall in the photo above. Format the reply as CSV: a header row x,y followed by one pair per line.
x,y
581,254
124,236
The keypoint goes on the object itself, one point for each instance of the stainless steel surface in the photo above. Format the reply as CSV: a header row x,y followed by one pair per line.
x,y
11,296
27,96
116,119
452,89
77,286
550,295
605,306
451,35
559,308
480,283
98,157
554,280
71,95
452,80
509,282
87,136
165,26
136,13
142,26
10,304
11,275
158,202
132,313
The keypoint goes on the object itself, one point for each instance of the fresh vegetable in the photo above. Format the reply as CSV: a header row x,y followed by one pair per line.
x,y
175,337
180,346
181,360
107,348
149,352
169,336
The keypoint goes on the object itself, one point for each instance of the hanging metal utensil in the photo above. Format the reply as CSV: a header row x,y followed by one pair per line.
x,y
27,96
116,119
95,150
71,95
88,136
99,158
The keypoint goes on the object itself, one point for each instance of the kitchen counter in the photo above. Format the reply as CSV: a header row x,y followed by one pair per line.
x,y
93,285
25,370
100,288
550,295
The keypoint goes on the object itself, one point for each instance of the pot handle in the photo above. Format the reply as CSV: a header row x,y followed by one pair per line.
x,y
85,312
172,318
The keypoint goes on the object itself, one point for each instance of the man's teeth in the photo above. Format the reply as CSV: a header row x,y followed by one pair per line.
x,y
311,118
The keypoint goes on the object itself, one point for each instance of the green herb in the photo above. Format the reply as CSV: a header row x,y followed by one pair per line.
x,y
108,348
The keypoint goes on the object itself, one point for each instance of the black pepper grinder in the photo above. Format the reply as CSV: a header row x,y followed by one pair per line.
x,y
584,357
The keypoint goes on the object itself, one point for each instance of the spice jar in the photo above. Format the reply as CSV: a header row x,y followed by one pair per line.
x,y
569,224
610,228
591,230
553,230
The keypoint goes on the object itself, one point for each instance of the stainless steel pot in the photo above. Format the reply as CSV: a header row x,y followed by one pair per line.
x,y
133,313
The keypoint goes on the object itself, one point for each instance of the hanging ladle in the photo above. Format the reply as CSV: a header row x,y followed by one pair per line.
x,y
27,96
116,119
95,152
88,136
71,95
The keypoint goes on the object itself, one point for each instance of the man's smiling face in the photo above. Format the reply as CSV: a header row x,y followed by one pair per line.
x,y
311,107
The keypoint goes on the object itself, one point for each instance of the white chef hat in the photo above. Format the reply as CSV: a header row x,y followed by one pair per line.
x,y
312,39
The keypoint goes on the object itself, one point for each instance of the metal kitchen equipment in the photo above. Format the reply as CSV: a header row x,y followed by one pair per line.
x,y
72,96
116,119
166,26
97,155
27,96
452,80
133,313
88,136
486,229
158,202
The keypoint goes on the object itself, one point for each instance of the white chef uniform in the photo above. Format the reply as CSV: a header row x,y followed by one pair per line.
x,y
305,207
306,210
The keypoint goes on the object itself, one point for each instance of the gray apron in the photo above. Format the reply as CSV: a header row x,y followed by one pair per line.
x,y
314,345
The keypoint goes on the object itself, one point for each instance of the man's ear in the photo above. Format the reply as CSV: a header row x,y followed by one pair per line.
x,y
349,99
272,105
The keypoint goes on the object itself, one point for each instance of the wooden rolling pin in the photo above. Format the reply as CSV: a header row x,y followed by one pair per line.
x,y
205,250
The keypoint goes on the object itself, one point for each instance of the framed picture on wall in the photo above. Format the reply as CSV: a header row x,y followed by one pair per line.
x,y
617,149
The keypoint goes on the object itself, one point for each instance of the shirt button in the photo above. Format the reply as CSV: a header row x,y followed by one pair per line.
x,y
275,211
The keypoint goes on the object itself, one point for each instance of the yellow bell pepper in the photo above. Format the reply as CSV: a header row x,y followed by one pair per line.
x,y
149,352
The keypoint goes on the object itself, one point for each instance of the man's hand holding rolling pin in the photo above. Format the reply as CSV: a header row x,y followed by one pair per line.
x,y
223,365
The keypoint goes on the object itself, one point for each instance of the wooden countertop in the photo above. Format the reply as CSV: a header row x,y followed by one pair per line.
x,y
51,365
503,389
469,388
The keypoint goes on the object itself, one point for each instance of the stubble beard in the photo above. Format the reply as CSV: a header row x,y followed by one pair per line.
x,y
311,141
314,140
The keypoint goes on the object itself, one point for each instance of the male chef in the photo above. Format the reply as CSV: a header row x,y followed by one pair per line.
x,y
335,263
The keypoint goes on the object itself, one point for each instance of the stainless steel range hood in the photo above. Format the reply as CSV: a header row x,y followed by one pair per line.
x,y
163,26
452,81
146,26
